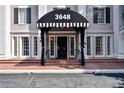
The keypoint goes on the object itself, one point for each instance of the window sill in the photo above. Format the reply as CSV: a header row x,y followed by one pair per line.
x,y
101,23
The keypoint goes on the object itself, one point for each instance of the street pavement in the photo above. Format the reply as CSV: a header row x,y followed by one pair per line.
x,y
63,80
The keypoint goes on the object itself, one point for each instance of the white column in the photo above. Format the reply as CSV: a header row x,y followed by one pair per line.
x,y
2,31
7,30
116,29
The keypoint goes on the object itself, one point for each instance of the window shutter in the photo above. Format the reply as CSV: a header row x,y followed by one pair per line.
x,y
107,14
15,15
94,15
28,15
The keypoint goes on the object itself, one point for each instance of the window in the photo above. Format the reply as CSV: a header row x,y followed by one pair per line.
x,y
72,46
25,46
108,45
88,45
35,46
15,46
22,15
99,45
52,46
101,15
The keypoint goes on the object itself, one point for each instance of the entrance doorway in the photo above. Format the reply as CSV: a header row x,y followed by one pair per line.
x,y
62,47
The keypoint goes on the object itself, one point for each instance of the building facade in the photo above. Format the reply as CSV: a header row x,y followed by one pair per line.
x,y
20,38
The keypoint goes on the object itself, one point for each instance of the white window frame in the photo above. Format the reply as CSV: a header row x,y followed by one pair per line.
x,y
91,45
21,46
103,45
104,15
33,46
52,56
111,46
19,17
13,46
72,56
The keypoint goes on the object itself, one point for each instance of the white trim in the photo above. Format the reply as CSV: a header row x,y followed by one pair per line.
x,y
23,6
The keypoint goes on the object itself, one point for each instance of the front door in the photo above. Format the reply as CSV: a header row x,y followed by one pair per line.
x,y
62,47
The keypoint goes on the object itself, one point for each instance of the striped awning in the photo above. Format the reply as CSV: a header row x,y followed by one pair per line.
x,y
62,18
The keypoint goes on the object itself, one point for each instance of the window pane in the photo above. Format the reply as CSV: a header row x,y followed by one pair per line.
x,y
100,15
88,46
22,13
99,45
108,45
52,46
72,46
25,46
35,46
15,46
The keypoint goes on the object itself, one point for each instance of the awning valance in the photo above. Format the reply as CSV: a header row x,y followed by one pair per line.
x,y
62,18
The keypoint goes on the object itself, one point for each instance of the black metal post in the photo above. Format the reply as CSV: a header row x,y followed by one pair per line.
x,y
42,52
82,46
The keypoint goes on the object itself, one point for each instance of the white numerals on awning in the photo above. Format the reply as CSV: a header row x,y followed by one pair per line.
x,y
62,16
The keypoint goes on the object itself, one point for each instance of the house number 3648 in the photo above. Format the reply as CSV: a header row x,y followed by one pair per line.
x,y
62,16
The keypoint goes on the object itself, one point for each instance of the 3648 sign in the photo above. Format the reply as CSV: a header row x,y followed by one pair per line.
x,y
62,16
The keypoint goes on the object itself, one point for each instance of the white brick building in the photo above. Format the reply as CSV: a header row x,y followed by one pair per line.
x,y
20,38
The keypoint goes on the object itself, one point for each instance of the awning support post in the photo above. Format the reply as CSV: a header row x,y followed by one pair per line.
x,y
82,47
42,50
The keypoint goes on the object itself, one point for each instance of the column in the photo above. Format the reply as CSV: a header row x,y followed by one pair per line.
x,y
7,30
42,52
82,47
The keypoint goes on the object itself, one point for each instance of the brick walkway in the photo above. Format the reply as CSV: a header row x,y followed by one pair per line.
x,y
60,64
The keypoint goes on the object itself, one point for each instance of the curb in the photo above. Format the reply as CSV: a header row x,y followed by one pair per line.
x,y
88,71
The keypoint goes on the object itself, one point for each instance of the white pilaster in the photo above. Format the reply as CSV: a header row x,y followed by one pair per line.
x,y
116,29
2,32
7,30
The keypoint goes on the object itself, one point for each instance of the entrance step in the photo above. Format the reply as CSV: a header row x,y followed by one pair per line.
x,y
17,60
62,62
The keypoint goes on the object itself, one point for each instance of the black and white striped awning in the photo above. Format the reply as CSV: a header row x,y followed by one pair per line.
x,y
62,18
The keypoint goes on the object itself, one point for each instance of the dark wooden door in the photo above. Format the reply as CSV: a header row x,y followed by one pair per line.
x,y
62,47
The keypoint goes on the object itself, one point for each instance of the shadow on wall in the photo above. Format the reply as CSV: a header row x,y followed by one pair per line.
x,y
117,76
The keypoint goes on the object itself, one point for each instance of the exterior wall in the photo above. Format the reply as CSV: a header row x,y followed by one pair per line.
x,y
98,27
2,31
24,30
5,31
9,29
25,27
119,33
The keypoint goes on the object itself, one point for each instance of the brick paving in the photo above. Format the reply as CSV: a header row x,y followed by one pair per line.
x,y
30,64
